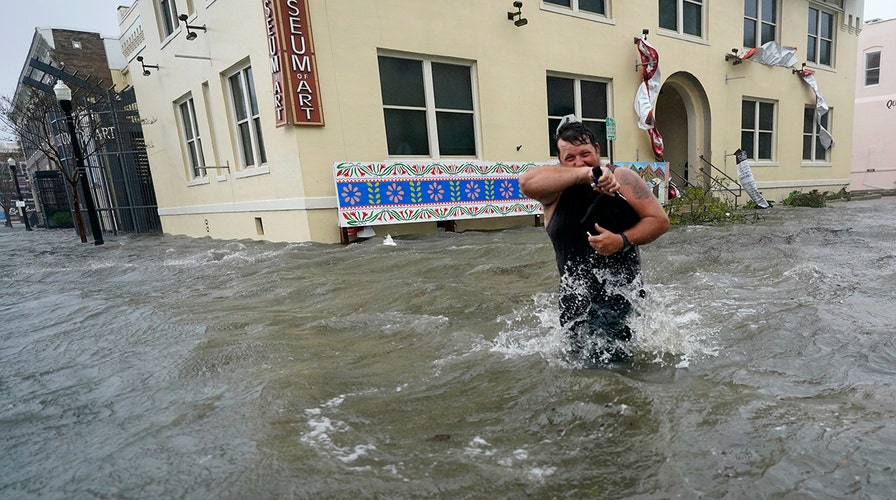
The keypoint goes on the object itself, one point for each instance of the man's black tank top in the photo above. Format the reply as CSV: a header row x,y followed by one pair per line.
x,y
569,226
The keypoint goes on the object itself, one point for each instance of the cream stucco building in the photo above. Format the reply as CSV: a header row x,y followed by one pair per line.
x,y
466,79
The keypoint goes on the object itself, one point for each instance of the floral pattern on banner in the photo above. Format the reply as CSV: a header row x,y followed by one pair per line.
x,y
395,192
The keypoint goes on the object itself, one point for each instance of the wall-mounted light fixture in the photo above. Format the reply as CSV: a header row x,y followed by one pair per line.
x,y
191,35
522,21
644,33
733,55
146,66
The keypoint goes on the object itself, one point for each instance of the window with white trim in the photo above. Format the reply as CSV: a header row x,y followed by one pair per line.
x,y
820,45
168,21
760,22
682,16
757,135
589,6
428,107
587,99
190,136
247,121
872,68
812,147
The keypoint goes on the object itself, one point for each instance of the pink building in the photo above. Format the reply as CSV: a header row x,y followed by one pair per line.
x,y
874,145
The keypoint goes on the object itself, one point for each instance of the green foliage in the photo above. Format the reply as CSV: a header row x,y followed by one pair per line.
x,y
813,199
843,194
696,206
751,205
61,219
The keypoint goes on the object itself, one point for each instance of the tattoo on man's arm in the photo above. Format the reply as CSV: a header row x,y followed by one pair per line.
x,y
639,188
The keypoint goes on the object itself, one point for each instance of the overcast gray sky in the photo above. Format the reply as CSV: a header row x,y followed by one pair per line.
x,y
19,19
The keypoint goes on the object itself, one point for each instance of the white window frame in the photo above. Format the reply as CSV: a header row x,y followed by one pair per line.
x,y
759,21
826,161
815,59
167,11
252,120
191,140
574,10
756,130
875,69
432,130
679,21
577,103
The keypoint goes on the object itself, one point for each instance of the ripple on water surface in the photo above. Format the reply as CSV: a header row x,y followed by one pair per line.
x,y
169,366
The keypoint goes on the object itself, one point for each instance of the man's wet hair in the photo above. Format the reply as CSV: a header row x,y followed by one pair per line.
x,y
576,133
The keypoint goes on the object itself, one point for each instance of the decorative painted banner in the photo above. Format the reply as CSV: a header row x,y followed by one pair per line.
x,y
395,192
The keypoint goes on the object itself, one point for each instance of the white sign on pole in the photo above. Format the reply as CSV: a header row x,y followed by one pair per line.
x,y
611,129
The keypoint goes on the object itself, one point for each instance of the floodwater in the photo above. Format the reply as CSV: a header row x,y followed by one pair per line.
x,y
169,367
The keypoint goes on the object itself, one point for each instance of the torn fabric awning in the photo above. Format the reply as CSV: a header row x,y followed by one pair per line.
x,y
771,54
821,107
648,90
745,174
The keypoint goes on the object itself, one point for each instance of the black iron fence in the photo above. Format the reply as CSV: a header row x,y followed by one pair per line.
x,y
117,165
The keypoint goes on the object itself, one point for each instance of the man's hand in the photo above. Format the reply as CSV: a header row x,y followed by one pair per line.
x,y
605,242
606,183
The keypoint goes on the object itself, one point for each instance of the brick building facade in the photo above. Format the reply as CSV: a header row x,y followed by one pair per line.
x,y
108,129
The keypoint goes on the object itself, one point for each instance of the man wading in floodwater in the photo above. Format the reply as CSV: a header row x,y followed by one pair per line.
x,y
595,233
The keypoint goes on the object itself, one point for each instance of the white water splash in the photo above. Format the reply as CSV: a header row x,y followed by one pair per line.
x,y
533,330
665,323
669,324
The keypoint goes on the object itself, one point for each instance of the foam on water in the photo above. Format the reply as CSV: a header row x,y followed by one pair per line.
x,y
322,424
166,367
667,328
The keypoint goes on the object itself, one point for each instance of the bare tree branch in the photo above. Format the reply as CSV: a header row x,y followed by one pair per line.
x,y
35,117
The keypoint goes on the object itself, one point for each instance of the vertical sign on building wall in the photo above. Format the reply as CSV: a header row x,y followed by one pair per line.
x,y
293,64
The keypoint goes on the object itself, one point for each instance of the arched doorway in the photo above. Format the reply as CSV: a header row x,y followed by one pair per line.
x,y
683,118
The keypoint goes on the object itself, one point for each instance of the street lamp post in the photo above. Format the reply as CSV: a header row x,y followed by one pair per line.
x,y
15,180
64,96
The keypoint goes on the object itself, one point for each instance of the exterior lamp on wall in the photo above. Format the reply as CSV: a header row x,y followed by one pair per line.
x,y
733,57
146,66
191,35
64,96
21,204
522,21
